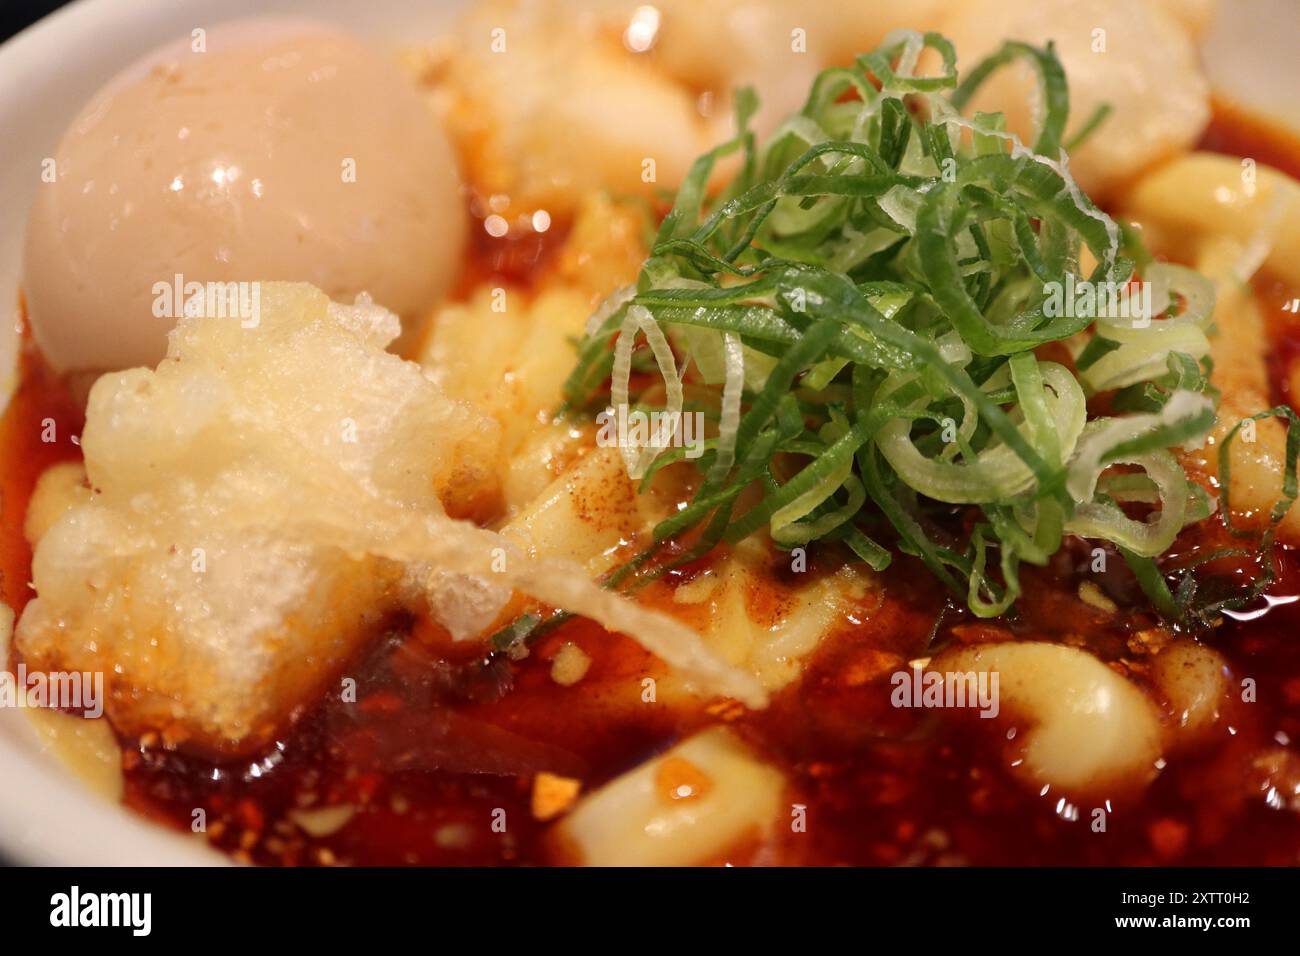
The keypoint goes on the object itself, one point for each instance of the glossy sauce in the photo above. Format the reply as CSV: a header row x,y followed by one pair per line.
x,y
442,737
39,411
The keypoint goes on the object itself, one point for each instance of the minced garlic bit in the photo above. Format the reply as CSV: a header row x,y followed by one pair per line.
x,y
454,836
1093,596
323,822
1151,640
553,794
570,665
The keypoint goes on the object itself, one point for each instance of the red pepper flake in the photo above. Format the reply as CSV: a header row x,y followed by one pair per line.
x,y
250,815
1168,838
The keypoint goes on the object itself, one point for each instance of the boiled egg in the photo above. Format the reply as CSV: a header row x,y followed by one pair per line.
x,y
264,149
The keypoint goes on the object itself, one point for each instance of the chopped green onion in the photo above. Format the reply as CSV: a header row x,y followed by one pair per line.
x,y
869,292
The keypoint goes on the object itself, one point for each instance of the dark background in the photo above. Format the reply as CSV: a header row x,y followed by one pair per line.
x,y
17,14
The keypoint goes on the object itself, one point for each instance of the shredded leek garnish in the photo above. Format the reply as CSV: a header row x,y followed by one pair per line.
x,y
891,263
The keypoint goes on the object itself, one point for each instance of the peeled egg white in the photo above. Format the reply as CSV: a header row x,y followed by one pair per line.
x,y
264,150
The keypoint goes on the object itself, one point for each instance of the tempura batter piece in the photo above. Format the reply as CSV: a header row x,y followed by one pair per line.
x,y
208,574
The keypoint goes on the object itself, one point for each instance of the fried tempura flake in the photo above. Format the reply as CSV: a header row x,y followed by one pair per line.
x,y
213,572
260,504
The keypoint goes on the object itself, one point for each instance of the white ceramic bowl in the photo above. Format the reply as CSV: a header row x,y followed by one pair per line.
x,y
47,73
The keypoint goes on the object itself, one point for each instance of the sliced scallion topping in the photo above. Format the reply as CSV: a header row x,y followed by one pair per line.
x,y
869,299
